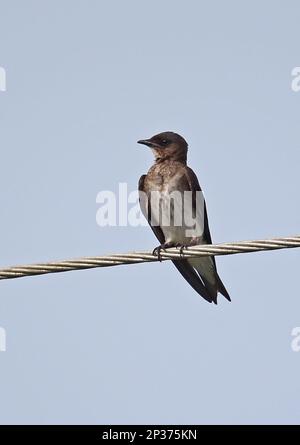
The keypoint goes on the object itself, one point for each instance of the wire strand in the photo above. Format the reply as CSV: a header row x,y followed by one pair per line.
x,y
146,257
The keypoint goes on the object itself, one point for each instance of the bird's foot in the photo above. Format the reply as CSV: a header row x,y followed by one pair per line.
x,y
158,249
183,246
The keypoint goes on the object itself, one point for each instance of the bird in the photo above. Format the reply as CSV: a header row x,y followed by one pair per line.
x,y
162,201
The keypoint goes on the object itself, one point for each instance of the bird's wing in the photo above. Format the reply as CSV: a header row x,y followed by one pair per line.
x,y
146,210
195,186
186,270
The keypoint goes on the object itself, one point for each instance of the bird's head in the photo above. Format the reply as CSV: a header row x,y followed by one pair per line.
x,y
167,145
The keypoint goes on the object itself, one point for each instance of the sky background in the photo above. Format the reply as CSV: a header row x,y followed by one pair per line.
x,y
135,344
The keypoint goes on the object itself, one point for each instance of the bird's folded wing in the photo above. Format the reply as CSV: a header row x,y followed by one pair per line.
x,y
186,270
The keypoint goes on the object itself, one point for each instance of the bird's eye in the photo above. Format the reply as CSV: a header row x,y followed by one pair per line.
x,y
164,142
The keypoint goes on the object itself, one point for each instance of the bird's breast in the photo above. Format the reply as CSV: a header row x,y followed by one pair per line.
x,y
163,180
169,208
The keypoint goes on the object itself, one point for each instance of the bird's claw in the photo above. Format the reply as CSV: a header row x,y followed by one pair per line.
x,y
181,248
157,252
158,249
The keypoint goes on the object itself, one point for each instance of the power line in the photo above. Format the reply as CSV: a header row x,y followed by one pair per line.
x,y
145,257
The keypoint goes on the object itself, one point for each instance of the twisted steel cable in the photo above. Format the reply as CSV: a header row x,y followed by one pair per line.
x,y
144,257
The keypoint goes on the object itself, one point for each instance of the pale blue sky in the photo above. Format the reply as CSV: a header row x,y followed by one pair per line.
x,y
135,344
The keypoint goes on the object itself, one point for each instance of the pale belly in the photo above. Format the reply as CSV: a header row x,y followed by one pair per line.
x,y
172,211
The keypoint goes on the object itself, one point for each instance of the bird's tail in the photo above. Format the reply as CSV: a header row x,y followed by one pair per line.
x,y
214,288
222,288
207,270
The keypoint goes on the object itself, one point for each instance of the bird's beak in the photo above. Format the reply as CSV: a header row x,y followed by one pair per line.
x,y
148,142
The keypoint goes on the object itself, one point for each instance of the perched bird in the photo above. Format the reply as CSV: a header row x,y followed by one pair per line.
x,y
162,195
